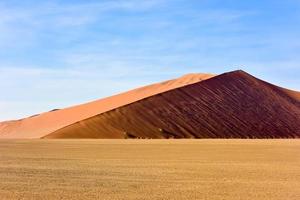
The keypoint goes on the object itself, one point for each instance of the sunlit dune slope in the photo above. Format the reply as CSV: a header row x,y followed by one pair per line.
x,y
231,105
40,125
291,93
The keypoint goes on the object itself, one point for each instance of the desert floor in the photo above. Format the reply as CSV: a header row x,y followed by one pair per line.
x,y
150,169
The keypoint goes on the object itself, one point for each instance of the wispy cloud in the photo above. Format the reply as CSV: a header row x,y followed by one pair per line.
x,y
19,23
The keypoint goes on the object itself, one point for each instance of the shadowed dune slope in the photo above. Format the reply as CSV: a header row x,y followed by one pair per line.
x,y
231,105
40,125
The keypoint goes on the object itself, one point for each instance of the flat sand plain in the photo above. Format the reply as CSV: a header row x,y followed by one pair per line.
x,y
150,169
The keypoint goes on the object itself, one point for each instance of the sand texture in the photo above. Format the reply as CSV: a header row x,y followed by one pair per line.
x,y
150,169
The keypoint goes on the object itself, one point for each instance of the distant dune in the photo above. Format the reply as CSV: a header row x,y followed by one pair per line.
x,y
230,105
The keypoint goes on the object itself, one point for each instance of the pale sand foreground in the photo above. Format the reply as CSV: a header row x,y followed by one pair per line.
x,y
150,169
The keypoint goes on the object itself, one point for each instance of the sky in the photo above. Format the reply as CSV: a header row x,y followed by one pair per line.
x,y
55,54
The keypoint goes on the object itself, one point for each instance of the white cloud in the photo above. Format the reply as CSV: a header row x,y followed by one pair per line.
x,y
22,26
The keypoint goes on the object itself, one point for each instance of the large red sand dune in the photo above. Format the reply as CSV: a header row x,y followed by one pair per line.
x,y
231,105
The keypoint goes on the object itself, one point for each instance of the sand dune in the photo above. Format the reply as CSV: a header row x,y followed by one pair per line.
x,y
40,125
231,105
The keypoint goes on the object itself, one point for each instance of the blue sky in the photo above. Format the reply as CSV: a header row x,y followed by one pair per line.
x,y
55,54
